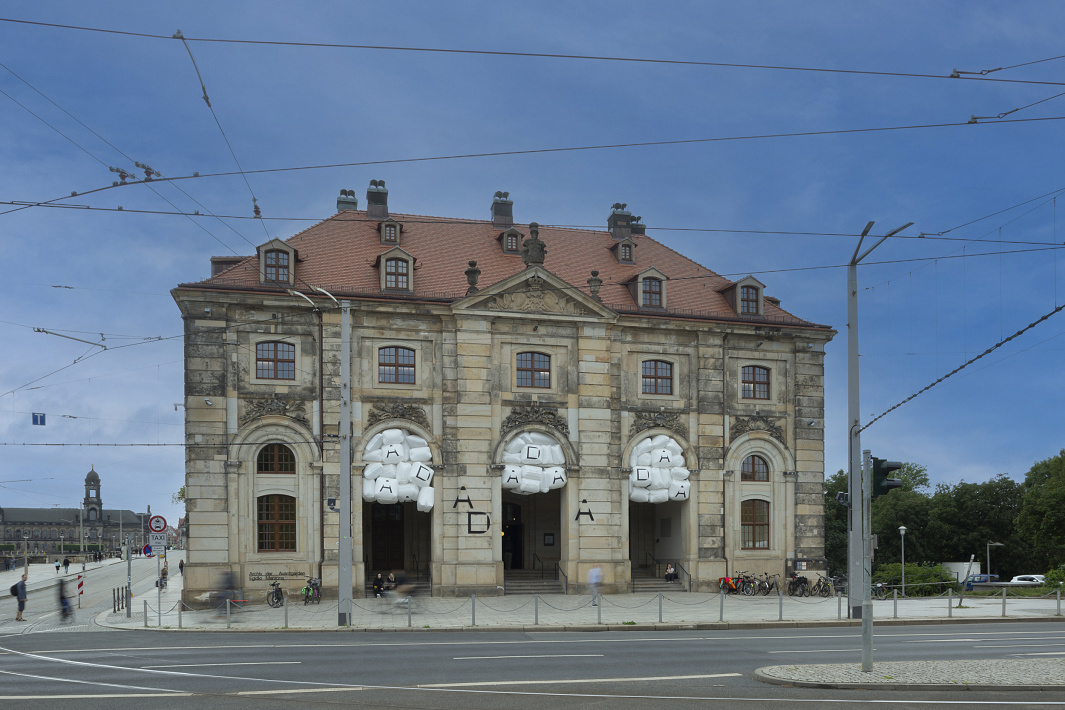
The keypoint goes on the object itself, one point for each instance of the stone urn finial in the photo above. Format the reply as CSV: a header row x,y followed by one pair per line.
x,y
594,284
472,274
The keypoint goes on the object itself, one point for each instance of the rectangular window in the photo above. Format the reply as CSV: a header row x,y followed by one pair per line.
x,y
396,274
277,265
657,377
749,300
277,523
534,370
754,382
754,525
395,365
652,292
275,361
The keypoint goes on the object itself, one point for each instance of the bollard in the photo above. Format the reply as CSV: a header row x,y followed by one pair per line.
x,y
473,610
179,605
145,613
284,603
721,609
599,607
227,614
895,602
1059,600
660,607
536,609
780,598
950,602
408,612
1003,601
839,605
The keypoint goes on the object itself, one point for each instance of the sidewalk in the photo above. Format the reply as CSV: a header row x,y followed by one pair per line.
x,y
43,577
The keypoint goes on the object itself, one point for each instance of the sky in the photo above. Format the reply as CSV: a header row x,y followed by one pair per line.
x,y
789,167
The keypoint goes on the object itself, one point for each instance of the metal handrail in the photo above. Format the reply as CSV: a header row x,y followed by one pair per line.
x,y
686,574
565,579
417,572
536,558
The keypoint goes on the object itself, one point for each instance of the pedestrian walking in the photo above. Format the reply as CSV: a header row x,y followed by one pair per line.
x,y
20,592
66,565
57,565
595,578
181,567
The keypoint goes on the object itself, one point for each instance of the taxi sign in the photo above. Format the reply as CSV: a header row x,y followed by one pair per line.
x,y
157,540
147,550
157,524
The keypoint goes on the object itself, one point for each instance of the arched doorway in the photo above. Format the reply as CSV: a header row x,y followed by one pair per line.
x,y
534,474
398,500
659,509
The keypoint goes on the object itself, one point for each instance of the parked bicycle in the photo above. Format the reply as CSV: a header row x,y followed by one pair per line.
x,y
767,584
822,587
312,591
275,597
729,585
798,586
879,590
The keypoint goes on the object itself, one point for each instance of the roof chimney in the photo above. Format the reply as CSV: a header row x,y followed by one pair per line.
x,y
377,200
347,201
619,222
638,228
502,211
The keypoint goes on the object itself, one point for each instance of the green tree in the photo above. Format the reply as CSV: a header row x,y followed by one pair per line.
x,y
901,507
178,497
1041,518
836,525
914,477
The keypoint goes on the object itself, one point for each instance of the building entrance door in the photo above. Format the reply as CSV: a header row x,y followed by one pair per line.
x,y
513,537
386,531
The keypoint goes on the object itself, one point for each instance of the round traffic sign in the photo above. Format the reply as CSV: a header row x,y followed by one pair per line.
x,y
147,550
157,523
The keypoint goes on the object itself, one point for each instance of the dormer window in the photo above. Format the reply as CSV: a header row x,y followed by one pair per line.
x,y
745,296
651,292
749,300
277,266
510,241
624,251
396,273
390,231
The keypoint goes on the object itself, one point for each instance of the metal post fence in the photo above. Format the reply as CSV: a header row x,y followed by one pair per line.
x,y
284,603
895,602
950,602
408,612
660,607
228,617
145,613
473,610
839,605
1059,600
1003,601
179,605
599,607
721,608
780,602
536,609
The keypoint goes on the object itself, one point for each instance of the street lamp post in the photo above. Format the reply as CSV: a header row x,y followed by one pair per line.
x,y
902,535
989,546
26,551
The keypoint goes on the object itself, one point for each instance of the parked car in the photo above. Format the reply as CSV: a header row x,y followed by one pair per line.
x,y
1028,580
980,579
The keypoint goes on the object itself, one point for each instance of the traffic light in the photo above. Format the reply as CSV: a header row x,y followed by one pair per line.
x,y
881,483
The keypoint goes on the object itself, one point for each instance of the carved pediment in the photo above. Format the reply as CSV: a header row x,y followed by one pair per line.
x,y
742,425
658,420
535,414
535,290
398,410
535,299
257,408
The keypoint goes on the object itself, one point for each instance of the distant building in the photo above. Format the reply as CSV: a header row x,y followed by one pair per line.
x,y
525,402
44,530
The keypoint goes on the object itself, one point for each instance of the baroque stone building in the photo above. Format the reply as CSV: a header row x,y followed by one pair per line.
x,y
522,398
44,531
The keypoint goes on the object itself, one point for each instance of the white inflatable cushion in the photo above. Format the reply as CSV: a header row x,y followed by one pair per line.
x,y
640,477
407,492
679,490
421,475
644,459
555,476
680,473
658,495
386,490
425,499
638,495
420,453
659,457
416,442
375,455
368,489
393,436
532,454
403,472
372,471
511,457
374,442
511,476
393,453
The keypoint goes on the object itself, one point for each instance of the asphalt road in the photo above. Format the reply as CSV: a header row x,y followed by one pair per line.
x,y
476,670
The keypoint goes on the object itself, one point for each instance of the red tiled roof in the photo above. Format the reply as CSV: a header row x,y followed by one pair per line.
x,y
338,255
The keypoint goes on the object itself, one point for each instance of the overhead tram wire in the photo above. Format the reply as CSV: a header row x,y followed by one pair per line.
x,y
584,227
955,76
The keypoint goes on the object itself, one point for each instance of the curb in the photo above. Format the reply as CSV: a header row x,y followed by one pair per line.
x,y
798,683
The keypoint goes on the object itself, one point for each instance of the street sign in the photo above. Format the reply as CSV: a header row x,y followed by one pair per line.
x,y
157,524
157,540
147,550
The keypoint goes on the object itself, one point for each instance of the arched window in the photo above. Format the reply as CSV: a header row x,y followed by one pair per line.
x,y
36,533
754,469
275,361
395,365
657,377
534,370
396,271
92,514
277,523
276,458
754,525
749,300
652,292
755,382
55,534
277,266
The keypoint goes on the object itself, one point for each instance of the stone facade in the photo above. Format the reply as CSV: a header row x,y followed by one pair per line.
x,y
464,399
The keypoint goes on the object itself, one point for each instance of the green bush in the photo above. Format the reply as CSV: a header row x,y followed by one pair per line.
x,y
1055,577
920,581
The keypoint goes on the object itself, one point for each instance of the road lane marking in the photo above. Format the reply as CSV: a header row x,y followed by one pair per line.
x,y
548,655
287,691
227,663
1044,653
822,650
161,691
1024,645
579,680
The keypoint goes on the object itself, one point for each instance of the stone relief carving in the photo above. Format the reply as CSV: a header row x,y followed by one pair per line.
x,y
536,301
399,410
534,414
664,420
742,425
257,408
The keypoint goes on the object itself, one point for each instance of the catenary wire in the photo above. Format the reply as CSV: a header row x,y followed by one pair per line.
x,y
980,76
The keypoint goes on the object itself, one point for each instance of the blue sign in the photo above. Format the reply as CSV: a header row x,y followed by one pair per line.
x,y
38,419
147,550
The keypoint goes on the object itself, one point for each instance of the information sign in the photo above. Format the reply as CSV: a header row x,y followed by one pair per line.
x,y
157,524
157,540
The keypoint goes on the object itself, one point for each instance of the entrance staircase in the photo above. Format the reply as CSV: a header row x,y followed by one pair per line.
x,y
645,579
422,587
529,581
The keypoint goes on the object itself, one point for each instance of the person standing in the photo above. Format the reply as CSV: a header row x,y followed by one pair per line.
x,y
20,592
181,567
57,565
595,578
